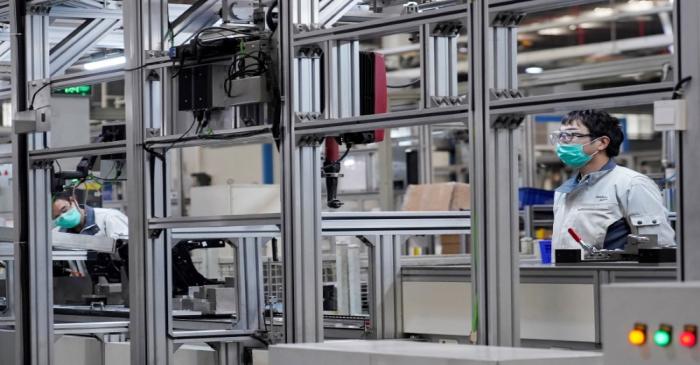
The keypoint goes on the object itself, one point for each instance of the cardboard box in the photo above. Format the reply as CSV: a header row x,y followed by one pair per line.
x,y
437,197
461,197
450,244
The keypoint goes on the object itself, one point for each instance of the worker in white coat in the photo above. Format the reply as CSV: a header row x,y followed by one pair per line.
x,y
70,217
603,202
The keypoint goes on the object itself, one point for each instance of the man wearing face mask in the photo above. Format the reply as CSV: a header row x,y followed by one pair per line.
x,y
603,202
69,217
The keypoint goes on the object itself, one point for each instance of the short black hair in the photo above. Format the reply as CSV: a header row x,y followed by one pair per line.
x,y
66,195
599,124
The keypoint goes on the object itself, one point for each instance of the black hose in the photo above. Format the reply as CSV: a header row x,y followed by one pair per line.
x,y
269,19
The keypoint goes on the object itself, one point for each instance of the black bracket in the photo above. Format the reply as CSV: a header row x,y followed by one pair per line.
x,y
507,19
507,121
42,165
499,94
154,233
310,141
446,29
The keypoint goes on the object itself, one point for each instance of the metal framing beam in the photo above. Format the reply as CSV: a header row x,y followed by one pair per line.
x,y
492,64
21,307
84,37
688,50
198,15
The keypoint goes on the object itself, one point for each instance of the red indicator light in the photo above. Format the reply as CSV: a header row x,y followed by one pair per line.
x,y
689,336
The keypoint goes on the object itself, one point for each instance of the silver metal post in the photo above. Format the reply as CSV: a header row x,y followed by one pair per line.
x,y
687,234
144,30
20,294
385,287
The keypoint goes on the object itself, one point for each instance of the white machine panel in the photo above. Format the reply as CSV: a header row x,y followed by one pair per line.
x,y
421,353
562,312
671,305
437,308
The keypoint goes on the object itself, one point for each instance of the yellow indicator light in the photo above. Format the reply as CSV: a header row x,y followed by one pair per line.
x,y
637,337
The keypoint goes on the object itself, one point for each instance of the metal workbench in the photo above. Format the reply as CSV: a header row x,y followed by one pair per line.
x,y
559,291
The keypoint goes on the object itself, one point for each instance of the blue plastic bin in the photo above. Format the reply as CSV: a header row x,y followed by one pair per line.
x,y
546,251
534,196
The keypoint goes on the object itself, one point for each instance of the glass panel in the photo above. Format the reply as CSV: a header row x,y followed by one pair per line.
x,y
212,276
215,182
597,45
345,276
375,178
643,150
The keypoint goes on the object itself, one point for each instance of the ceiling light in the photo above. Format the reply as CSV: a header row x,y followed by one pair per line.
x,y
639,5
552,31
603,12
590,25
534,70
566,19
108,62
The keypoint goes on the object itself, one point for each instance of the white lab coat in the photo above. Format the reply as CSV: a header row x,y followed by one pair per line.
x,y
112,223
109,223
604,197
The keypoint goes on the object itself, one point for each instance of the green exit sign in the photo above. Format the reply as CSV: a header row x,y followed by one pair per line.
x,y
74,90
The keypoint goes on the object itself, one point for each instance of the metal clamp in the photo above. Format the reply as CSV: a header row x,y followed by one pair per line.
x,y
410,7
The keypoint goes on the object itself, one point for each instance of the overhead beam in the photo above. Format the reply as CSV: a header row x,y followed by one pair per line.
x,y
333,10
71,12
5,51
200,14
605,48
79,3
86,36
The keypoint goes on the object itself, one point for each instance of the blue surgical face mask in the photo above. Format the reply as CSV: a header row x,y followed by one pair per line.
x,y
573,154
69,219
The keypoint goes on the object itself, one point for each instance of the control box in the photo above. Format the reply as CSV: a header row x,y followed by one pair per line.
x,y
651,323
207,87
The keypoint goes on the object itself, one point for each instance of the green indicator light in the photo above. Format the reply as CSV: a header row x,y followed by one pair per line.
x,y
83,90
662,338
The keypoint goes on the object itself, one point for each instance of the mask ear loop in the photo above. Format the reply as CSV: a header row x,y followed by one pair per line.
x,y
596,152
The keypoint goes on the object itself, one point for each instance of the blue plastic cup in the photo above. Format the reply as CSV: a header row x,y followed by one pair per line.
x,y
546,251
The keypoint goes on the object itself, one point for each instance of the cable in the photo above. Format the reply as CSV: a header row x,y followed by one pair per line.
x,y
161,156
197,35
401,86
347,150
238,68
31,105
677,93
269,19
